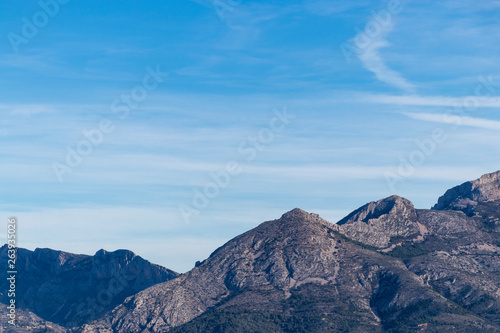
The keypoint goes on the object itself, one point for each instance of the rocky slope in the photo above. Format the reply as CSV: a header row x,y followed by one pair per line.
x,y
455,255
70,289
27,321
470,194
386,267
383,223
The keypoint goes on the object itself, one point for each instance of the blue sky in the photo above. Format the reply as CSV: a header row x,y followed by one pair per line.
x,y
386,97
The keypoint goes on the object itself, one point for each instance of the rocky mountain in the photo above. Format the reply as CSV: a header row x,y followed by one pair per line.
x,y
386,267
27,321
71,289
383,223
470,194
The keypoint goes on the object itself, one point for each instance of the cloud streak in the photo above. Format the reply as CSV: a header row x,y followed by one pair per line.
x,y
431,100
372,60
444,118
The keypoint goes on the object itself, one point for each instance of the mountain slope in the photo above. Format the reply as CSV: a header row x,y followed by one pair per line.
x,y
27,321
383,223
469,195
295,274
386,267
456,250
71,289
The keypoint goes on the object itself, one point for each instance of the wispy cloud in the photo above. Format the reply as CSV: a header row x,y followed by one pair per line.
x,y
227,76
331,8
28,110
372,60
34,62
353,172
455,120
472,6
430,100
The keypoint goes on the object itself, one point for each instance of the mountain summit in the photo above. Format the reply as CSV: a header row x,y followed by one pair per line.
x,y
466,196
381,222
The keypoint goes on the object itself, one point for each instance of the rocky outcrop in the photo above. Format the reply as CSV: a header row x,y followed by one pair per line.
x,y
465,197
70,289
382,223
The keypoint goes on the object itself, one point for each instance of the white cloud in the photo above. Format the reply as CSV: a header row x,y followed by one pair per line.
x,y
432,100
372,60
331,8
455,120
334,173
471,6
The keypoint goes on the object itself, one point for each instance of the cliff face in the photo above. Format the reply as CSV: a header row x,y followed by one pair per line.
x,y
382,223
467,196
386,267
70,289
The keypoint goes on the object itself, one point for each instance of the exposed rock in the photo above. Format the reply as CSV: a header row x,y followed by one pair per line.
x,y
381,223
71,289
459,259
299,274
386,267
27,321
466,196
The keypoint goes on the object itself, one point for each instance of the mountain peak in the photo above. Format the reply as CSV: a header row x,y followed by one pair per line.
x,y
379,222
299,216
295,213
374,210
101,254
467,195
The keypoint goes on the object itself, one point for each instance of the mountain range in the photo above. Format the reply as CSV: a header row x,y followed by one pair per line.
x,y
386,267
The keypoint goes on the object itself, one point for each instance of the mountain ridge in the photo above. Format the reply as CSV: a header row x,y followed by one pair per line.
x,y
372,264
465,196
385,267
71,289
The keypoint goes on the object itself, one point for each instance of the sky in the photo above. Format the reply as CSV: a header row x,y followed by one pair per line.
x,y
170,127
